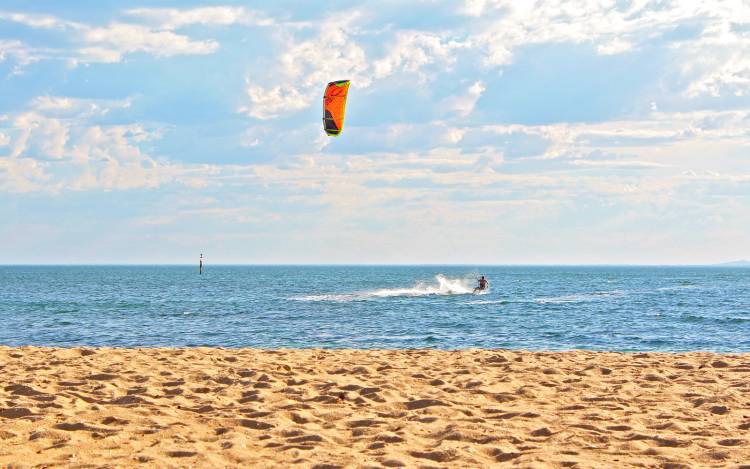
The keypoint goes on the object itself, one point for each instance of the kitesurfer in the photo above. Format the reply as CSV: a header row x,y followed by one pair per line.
x,y
483,284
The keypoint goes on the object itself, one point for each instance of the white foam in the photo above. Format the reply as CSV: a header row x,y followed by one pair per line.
x,y
442,286
336,298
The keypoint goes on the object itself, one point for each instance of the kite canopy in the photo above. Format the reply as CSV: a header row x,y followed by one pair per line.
x,y
334,105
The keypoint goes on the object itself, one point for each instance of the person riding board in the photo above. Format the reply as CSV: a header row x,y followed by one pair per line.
x,y
483,284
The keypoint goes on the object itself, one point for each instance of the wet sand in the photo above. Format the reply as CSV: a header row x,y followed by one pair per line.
x,y
207,407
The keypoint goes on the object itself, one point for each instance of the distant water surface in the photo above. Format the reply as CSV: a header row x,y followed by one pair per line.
x,y
539,308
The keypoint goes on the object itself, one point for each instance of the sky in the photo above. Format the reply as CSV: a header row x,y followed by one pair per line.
x,y
477,132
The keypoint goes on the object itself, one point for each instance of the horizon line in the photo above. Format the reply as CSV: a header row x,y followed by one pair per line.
x,y
349,264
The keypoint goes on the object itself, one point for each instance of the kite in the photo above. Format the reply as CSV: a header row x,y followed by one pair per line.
x,y
334,104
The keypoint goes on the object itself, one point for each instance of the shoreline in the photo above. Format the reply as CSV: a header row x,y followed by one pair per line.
x,y
227,407
209,348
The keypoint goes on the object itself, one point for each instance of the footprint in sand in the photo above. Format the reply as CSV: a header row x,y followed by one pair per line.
x,y
503,456
437,456
15,413
78,426
114,421
544,431
254,424
102,377
22,390
181,454
423,403
731,442
389,438
392,463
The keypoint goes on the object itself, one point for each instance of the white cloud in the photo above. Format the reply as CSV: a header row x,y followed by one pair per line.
x,y
477,7
50,103
269,103
112,160
51,153
702,36
54,156
453,135
240,215
622,164
172,18
413,50
38,21
18,52
729,78
39,137
22,175
616,28
304,66
493,32
65,106
334,53
464,105
111,43
89,55
613,47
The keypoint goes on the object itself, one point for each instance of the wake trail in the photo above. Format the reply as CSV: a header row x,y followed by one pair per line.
x,y
441,287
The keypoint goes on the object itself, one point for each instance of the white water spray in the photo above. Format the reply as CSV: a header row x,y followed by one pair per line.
x,y
442,286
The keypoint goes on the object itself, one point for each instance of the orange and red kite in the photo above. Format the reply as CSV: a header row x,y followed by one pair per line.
x,y
334,105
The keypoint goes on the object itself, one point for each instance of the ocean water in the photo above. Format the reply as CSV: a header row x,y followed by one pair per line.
x,y
538,308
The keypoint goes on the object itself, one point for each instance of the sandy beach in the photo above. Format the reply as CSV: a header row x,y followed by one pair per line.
x,y
352,408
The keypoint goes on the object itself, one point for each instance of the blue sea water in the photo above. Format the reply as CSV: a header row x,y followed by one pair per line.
x,y
539,308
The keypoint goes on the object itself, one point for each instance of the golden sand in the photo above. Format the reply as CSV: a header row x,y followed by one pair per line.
x,y
350,408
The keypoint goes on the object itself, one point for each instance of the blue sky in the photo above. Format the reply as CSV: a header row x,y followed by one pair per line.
x,y
477,132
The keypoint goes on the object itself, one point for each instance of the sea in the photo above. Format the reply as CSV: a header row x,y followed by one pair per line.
x,y
612,308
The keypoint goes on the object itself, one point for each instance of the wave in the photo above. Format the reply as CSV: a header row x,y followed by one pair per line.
x,y
487,302
442,286
581,297
677,288
693,318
